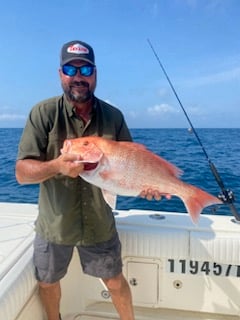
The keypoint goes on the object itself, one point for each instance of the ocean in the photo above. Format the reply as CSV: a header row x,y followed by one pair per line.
x,y
178,146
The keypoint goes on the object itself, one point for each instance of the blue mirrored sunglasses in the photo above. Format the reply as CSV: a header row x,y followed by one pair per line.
x,y
71,71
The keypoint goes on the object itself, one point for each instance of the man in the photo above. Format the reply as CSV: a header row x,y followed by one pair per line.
x,y
71,211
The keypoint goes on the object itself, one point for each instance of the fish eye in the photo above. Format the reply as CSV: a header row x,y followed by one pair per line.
x,y
85,143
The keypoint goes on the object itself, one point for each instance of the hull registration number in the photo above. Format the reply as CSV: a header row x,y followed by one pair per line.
x,y
207,268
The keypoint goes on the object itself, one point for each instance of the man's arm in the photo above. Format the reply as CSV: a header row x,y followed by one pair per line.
x,y
30,171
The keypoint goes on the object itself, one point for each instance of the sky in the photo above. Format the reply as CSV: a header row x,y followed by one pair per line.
x,y
197,41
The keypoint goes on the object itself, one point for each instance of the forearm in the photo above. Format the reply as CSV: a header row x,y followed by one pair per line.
x,y
35,171
29,171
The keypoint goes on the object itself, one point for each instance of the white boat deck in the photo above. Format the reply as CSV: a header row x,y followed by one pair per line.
x,y
176,270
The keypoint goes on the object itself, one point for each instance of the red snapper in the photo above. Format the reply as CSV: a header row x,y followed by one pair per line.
x,y
128,168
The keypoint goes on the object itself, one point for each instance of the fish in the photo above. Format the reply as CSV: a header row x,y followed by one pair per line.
x,y
128,168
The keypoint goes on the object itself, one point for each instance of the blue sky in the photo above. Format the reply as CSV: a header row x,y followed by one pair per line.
x,y
198,42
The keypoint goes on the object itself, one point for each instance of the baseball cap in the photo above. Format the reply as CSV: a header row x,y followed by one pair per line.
x,y
77,50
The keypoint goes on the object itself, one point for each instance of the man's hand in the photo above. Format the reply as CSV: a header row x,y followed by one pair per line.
x,y
150,194
69,165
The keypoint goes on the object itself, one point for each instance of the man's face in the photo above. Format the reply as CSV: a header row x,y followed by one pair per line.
x,y
78,88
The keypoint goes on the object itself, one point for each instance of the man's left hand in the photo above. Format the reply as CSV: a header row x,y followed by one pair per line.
x,y
150,194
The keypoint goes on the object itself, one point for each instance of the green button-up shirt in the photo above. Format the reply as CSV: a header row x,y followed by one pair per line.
x,y
71,211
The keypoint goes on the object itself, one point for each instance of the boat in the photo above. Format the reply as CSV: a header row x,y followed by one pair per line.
x,y
176,270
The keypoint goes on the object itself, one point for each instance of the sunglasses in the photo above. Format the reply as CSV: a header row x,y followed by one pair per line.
x,y
71,71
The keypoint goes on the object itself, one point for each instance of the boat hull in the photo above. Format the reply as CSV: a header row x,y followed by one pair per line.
x,y
176,270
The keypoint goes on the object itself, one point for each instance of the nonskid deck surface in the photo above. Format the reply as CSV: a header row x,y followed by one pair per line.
x,y
105,311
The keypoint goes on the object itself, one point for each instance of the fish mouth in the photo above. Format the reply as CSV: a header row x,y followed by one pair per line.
x,y
88,166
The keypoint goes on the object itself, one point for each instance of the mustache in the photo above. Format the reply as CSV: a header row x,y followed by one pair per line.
x,y
80,84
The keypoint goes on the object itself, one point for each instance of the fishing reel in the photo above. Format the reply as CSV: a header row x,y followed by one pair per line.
x,y
227,196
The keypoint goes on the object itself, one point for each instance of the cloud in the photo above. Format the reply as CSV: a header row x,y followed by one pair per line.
x,y
133,114
155,9
192,3
196,111
219,77
161,109
163,92
211,6
215,5
7,113
11,117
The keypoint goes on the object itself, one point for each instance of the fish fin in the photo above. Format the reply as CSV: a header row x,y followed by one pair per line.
x,y
197,200
172,169
133,145
110,198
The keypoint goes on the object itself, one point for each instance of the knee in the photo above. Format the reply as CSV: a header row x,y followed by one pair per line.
x,y
49,290
116,283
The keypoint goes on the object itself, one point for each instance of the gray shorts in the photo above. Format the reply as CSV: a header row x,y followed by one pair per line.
x,y
102,260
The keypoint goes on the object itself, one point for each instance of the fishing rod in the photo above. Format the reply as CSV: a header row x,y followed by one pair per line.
x,y
226,195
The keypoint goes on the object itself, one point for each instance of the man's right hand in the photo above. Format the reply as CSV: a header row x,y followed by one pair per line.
x,y
69,165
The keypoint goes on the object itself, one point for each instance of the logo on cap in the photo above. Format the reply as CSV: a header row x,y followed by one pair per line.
x,y
77,48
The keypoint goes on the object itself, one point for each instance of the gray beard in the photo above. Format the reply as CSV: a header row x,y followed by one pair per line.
x,y
77,97
80,98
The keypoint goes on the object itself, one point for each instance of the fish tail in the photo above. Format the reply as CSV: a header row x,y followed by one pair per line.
x,y
196,200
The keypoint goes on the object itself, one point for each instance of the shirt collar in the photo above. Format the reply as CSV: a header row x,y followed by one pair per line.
x,y
71,109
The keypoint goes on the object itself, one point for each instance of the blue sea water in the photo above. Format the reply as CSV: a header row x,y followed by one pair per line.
x,y
179,146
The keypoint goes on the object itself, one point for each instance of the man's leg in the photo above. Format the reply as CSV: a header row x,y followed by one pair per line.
x,y
103,260
50,294
121,296
51,262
